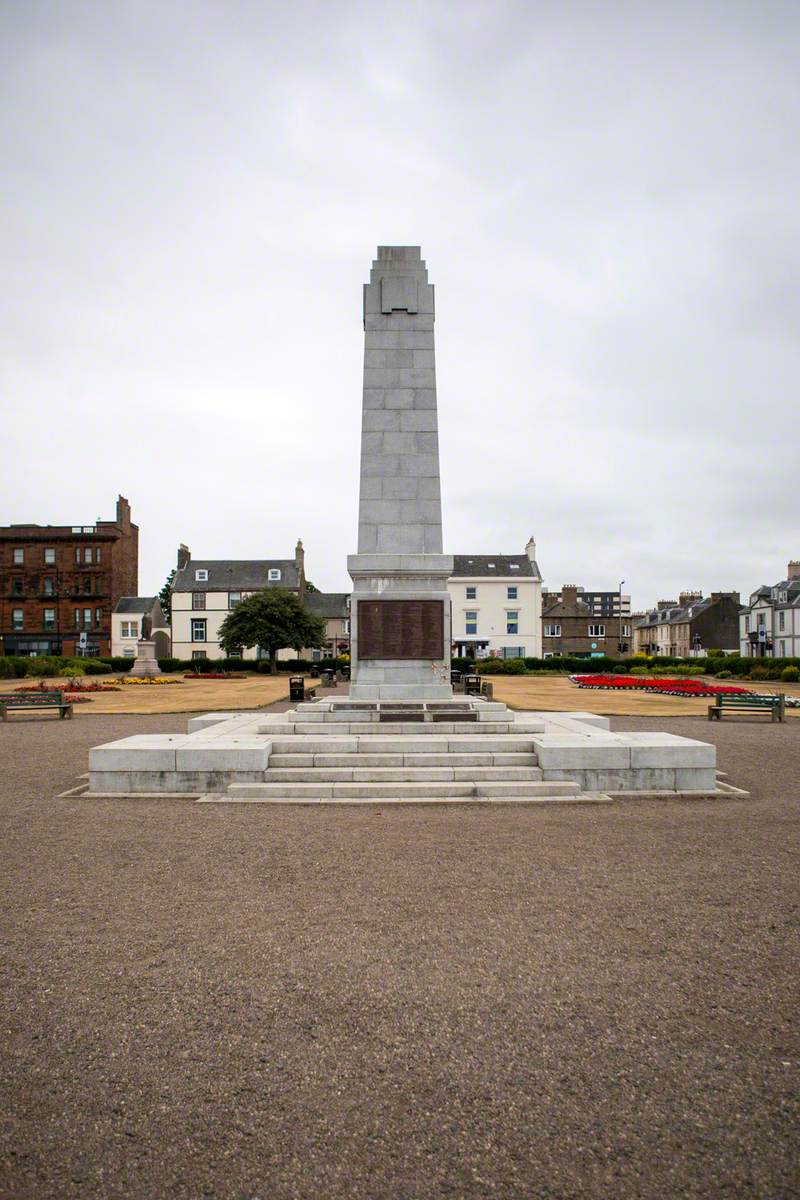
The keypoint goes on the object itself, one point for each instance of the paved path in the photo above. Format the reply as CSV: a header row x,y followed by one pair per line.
x,y
493,1002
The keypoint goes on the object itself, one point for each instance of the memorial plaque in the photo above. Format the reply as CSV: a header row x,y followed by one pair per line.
x,y
400,629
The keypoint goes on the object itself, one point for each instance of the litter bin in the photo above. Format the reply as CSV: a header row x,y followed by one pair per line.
x,y
455,680
487,689
327,678
472,685
297,687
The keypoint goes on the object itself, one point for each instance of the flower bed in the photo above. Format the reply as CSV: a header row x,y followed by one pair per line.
x,y
662,687
215,675
148,680
75,685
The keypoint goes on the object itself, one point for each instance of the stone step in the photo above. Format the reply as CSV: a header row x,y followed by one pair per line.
x,y
399,774
450,744
280,792
365,759
385,728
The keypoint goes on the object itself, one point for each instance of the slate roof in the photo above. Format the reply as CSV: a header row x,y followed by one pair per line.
x,y
331,605
237,575
677,614
135,604
499,566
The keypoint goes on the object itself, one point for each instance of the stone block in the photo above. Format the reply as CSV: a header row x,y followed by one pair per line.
x,y
373,398
381,419
428,443
422,512
402,487
399,443
398,398
574,754
669,750
415,464
407,537
695,779
423,358
418,421
145,752
244,755
380,464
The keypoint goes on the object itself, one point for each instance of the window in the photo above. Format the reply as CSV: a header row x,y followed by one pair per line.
x,y
16,618
198,654
626,631
472,593
87,585
781,623
198,630
87,618
552,631
234,598
129,629
77,554
49,555
49,620
19,556
16,587
514,566
87,554
98,585
198,600
97,554
511,593
597,631
512,652
747,623
98,615
512,621
77,618
201,575
762,618
47,586
128,652
471,619
274,573
782,653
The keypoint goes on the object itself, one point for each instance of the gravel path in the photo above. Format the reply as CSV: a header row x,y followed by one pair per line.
x,y
484,1002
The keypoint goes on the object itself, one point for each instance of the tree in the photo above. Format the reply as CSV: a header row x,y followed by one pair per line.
x,y
272,619
164,596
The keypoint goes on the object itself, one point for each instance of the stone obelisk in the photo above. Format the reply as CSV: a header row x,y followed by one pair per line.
x,y
400,609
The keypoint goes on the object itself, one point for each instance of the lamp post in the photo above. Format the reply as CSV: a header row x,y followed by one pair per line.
x,y
619,640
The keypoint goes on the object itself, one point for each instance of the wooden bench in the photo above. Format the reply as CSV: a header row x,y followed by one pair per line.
x,y
11,701
774,705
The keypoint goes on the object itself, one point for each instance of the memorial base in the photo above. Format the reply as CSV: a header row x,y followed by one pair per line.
x,y
400,638
146,665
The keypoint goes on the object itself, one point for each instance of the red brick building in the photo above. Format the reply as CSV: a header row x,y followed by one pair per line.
x,y
61,582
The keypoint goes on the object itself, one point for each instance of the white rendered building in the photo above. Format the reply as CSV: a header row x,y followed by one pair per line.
x,y
126,625
496,605
770,626
204,591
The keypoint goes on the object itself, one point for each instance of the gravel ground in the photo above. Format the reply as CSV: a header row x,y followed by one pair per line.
x,y
483,1002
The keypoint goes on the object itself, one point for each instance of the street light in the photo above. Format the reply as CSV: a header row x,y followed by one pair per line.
x,y
619,640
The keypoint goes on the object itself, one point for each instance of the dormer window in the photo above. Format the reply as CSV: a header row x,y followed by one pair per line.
x,y
491,566
201,575
514,566
274,573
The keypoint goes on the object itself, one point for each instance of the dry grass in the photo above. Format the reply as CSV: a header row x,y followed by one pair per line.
x,y
190,695
555,693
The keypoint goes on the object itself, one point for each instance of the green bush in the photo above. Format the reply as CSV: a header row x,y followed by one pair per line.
x,y
118,662
501,666
724,674
759,673
620,668
687,669
638,671
12,667
790,674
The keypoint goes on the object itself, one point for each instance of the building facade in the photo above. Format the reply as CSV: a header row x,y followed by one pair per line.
x,y
203,592
496,604
769,626
334,607
692,626
571,626
59,584
598,604
126,626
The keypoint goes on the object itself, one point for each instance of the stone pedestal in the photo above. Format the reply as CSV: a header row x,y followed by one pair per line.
x,y
146,665
400,607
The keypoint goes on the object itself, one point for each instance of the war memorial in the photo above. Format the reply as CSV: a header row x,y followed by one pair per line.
x,y
401,736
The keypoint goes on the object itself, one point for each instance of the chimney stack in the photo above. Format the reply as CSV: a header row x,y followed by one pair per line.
x,y
300,563
530,549
184,556
569,594
793,571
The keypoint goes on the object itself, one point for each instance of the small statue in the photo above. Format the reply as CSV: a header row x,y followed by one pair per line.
x,y
147,628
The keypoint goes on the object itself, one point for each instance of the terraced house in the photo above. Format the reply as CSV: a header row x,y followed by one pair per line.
x,y
770,624
204,591
59,584
692,625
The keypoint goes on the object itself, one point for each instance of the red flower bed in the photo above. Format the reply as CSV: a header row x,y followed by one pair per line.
x,y
77,686
214,675
663,687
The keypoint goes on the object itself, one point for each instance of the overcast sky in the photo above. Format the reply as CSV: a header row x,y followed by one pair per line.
x,y
606,196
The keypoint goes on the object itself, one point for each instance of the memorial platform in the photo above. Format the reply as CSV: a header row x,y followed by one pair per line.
x,y
341,751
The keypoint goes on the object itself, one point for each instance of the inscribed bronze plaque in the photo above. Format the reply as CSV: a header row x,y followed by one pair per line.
x,y
400,629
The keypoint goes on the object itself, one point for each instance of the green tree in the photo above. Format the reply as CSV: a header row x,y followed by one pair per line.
x,y
164,595
273,619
